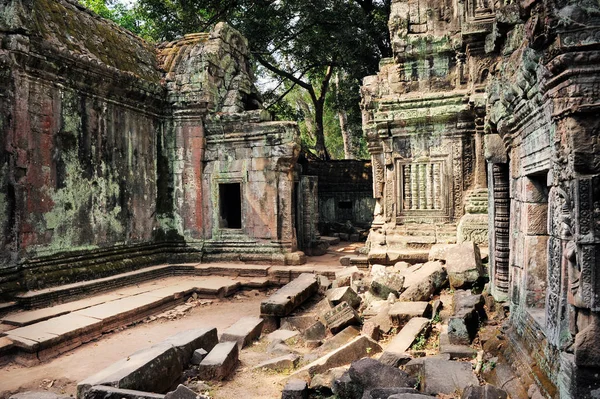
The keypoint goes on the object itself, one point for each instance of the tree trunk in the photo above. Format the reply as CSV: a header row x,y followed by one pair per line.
x,y
346,135
320,148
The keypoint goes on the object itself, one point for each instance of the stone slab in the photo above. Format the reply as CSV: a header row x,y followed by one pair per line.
x,y
358,348
38,395
455,351
220,362
281,363
399,345
44,334
340,317
439,376
106,392
283,335
343,294
295,389
244,331
401,312
152,369
33,316
290,296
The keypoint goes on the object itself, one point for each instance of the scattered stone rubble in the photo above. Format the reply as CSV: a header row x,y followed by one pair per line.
x,y
345,341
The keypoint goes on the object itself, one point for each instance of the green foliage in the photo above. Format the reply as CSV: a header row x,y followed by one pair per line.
x,y
129,18
419,343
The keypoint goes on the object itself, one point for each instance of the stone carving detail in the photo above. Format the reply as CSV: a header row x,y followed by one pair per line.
x,y
501,226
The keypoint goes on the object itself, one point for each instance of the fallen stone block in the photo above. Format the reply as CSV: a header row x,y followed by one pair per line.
x,y
394,353
338,340
356,349
299,323
340,317
468,312
484,392
38,395
335,296
278,347
439,251
281,363
183,392
369,373
188,341
390,282
421,282
283,335
244,331
295,389
401,312
345,260
439,376
106,392
290,296
455,351
220,362
385,393
198,356
371,329
463,264
344,277
153,369
326,380
316,332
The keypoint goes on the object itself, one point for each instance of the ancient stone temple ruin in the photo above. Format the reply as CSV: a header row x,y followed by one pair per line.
x,y
115,154
516,83
423,119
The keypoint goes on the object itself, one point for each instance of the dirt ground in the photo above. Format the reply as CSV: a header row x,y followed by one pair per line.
x,y
61,374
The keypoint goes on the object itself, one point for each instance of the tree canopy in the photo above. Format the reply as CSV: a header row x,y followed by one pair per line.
x,y
320,47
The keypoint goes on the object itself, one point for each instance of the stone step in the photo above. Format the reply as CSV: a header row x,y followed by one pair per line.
x,y
46,339
244,331
153,369
402,342
220,362
7,307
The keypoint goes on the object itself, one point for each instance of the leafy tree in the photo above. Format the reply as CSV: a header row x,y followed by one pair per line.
x,y
305,44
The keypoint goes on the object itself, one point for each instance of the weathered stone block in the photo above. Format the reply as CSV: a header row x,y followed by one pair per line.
x,y
344,277
107,392
356,349
220,362
243,331
484,392
495,151
198,356
340,317
401,312
281,363
181,392
153,369
295,389
343,294
395,351
388,283
290,296
439,376
536,219
463,264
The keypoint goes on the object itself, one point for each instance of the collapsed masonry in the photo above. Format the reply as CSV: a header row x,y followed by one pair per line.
x,y
516,83
115,154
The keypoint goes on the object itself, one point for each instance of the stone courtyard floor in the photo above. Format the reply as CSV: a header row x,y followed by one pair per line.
x,y
60,372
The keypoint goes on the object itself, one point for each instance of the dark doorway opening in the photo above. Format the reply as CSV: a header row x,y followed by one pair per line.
x,y
230,196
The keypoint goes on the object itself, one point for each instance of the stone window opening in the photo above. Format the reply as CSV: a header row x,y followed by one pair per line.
x,y
230,205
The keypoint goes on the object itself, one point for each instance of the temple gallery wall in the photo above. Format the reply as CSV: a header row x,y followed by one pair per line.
x,y
116,154
484,123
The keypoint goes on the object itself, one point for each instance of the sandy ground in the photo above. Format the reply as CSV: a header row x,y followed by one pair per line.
x,y
61,374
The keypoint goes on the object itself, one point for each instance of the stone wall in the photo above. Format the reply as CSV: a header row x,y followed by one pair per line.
x,y
526,72
345,192
104,145
422,115
542,104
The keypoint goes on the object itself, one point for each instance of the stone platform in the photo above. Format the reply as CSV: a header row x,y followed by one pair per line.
x,y
43,333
